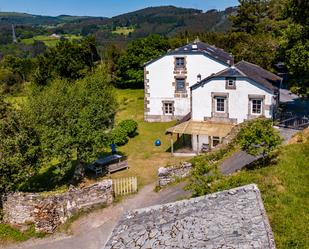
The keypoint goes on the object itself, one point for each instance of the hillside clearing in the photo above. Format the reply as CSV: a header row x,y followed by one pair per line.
x,y
49,40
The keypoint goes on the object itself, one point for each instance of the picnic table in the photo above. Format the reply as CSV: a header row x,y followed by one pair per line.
x,y
109,164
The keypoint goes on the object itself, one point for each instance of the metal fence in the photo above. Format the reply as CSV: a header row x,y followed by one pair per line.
x,y
297,123
125,186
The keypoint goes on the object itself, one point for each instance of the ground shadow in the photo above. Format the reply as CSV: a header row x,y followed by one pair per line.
x,y
55,176
182,144
261,162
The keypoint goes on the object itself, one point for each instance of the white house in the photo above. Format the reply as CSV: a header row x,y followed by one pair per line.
x,y
168,79
231,96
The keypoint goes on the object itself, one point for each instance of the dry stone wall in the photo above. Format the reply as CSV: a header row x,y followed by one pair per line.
x,y
48,212
170,174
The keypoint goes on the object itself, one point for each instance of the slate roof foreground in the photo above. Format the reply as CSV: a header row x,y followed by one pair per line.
x,y
234,218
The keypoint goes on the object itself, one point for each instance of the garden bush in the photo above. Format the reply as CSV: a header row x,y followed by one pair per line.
x,y
119,136
130,126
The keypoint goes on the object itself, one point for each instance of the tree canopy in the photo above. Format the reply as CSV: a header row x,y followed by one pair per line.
x,y
73,119
20,150
258,137
131,62
68,60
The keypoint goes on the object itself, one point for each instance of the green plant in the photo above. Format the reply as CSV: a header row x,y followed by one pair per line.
x,y
119,136
258,137
130,126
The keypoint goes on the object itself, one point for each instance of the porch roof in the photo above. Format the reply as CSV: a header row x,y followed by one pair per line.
x,y
201,128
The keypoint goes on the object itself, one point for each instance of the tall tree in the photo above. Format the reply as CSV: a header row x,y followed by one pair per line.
x,y
68,60
249,15
138,52
20,150
73,119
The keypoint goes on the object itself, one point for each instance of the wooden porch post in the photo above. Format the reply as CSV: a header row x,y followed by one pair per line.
x,y
172,144
210,142
198,144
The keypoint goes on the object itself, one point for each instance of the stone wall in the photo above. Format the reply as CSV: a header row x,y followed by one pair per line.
x,y
170,174
48,212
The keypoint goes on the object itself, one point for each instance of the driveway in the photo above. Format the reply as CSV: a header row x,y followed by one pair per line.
x,y
93,230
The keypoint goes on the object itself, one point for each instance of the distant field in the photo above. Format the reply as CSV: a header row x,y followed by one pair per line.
x,y
123,30
48,40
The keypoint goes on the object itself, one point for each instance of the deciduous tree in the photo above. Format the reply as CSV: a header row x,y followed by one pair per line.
x,y
258,137
131,63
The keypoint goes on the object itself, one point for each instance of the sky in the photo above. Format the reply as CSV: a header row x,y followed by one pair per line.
x,y
106,8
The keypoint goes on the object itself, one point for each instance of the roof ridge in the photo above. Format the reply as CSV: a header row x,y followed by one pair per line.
x,y
258,66
241,72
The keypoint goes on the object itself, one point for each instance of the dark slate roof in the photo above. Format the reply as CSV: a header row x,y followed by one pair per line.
x,y
244,69
201,48
234,218
259,75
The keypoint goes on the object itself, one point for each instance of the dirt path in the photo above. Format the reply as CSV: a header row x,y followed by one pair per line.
x,y
93,230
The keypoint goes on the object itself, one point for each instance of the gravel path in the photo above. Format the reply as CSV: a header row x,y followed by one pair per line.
x,y
93,230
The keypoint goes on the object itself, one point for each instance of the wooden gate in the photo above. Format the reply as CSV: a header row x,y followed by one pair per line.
x,y
125,186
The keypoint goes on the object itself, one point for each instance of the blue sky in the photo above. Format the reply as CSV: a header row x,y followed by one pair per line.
x,y
103,7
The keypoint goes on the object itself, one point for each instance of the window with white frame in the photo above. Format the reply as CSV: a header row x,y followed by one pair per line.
x,y
256,106
168,107
180,85
179,62
220,104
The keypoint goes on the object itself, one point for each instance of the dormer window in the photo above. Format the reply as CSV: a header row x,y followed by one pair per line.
x,y
199,77
230,83
194,47
180,62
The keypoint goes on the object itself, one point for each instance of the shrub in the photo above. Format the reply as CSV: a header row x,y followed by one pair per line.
x,y
130,126
119,136
258,137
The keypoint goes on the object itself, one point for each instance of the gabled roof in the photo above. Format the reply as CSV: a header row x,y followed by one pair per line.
x,y
244,69
259,75
234,218
198,47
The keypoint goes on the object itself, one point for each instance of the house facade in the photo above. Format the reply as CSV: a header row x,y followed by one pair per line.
x,y
241,92
168,79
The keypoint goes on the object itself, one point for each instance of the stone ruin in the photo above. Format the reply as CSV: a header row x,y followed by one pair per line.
x,y
168,175
48,212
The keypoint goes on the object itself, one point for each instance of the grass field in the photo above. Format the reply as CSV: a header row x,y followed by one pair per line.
x,y
48,40
144,157
123,30
284,187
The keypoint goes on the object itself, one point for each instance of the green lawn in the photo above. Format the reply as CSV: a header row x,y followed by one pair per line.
x,y
284,187
144,157
48,40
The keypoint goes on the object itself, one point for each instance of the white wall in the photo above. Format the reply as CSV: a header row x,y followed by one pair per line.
x,y
202,140
238,99
161,76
